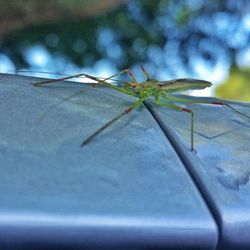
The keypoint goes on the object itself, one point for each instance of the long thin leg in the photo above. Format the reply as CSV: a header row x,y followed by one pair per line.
x,y
109,85
37,84
177,99
76,94
100,81
148,77
122,72
83,74
175,107
127,111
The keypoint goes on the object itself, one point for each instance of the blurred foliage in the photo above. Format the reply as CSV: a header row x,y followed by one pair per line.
x,y
237,86
171,38
29,6
17,14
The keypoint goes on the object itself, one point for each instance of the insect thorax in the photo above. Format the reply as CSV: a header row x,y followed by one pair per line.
x,y
149,89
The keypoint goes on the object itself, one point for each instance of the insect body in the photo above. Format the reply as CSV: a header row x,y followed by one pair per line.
x,y
159,90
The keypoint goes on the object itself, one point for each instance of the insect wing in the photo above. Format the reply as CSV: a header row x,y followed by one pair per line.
x,y
184,84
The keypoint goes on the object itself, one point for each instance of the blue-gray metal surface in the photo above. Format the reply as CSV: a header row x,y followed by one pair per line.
x,y
221,166
127,189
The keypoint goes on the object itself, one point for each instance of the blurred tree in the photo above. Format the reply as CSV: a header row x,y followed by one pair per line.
x,y
17,14
194,38
237,86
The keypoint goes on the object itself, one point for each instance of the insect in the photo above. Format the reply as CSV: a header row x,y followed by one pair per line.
x,y
159,90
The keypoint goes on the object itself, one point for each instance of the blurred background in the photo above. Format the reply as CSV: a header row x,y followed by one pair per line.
x,y
205,39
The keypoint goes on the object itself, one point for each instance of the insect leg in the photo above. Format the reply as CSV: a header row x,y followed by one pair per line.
x,y
100,81
37,84
83,74
109,85
175,107
177,99
148,77
128,71
126,111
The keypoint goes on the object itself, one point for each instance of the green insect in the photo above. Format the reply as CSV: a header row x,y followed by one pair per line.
x,y
159,90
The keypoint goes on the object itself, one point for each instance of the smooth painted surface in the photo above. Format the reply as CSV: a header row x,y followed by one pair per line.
x,y
221,166
127,188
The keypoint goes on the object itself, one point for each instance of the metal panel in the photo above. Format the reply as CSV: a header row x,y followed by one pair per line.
x,y
221,166
127,189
